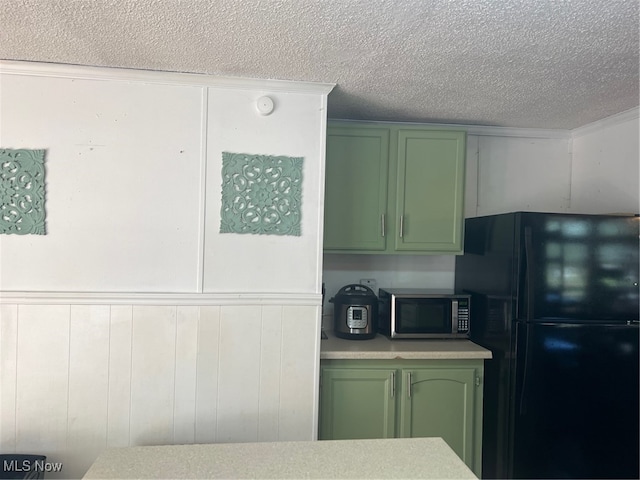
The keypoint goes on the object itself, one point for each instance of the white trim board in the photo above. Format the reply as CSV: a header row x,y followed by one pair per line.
x,y
159,77
178,299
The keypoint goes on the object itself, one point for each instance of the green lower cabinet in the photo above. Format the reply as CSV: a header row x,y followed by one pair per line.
x,y
363,404
443,403
397,398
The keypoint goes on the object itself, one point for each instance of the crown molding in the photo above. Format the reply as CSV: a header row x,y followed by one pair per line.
x,y
477,130
60,70
482,131
169,299
618,118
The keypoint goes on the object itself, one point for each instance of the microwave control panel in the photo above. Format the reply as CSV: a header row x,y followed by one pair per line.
x,y
463,316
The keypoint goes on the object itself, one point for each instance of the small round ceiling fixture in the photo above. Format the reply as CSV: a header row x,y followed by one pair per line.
x,y
265,105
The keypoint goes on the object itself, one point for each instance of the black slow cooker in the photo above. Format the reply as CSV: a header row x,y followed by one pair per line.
x,y
355,312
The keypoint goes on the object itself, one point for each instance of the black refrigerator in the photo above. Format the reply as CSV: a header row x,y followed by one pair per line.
x,y
555,298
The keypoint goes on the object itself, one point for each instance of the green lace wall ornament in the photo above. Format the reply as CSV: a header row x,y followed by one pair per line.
x,y
22,192
261,194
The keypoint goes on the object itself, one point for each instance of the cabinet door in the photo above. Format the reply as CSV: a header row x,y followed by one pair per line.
x,y
356,189
430,190
357,403
441,403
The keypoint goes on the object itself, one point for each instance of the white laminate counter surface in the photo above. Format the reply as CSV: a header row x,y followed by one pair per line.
x,y
380,347
329,459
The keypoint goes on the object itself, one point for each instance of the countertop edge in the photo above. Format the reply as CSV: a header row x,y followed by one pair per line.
x,y
405,356
383,348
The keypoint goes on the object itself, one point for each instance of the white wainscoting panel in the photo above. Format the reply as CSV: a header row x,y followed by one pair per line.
x,y
301,389
119,382
79,378
270,373
88,396
153,360
42,380
239,375
184,412
8,375
207,368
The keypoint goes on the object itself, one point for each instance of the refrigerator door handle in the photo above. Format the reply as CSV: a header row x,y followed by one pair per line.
x,y
529,264
530,289
523,402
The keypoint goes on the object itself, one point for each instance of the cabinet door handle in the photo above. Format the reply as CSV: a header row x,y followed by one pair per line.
x,y
409,384
382,225
393,384
401,226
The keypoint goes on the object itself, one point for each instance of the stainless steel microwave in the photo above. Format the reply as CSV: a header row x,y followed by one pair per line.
x,y
423,313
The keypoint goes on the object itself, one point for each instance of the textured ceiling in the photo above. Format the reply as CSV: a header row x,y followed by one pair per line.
x,y
514,63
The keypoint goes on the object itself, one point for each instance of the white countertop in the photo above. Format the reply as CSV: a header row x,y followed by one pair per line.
x,y
329,459
380,347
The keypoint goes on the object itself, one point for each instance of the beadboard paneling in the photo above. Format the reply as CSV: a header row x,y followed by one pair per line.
x,y
184,412
77,379
301,388
238,378
88,382
153,361
119,381
270,373
207,368
8,376
42,380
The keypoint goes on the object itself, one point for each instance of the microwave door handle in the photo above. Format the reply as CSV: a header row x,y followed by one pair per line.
x,y
454,316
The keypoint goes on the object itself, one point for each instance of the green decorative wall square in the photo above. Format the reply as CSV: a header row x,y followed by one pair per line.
x,y
261,194
22,192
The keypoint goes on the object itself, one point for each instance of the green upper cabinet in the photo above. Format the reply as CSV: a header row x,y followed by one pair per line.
x,y
356,188
430,190
394,188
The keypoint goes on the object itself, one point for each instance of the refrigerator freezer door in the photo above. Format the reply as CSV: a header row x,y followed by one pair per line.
x,y
578,267
576,401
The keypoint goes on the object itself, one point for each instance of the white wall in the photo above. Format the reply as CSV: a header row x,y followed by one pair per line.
x,y
133,180
122,161
520,173
265,263
605,169
133,321
593,169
